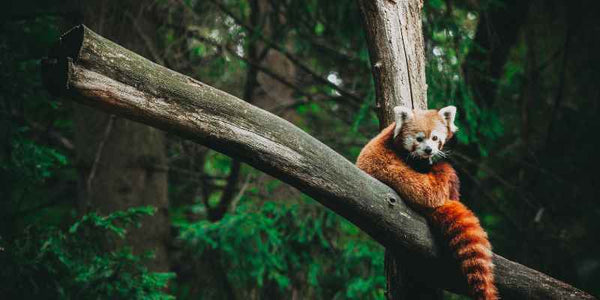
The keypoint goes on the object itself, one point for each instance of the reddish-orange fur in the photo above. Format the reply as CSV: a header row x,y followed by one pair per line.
x,y
431,189
438,192
470,246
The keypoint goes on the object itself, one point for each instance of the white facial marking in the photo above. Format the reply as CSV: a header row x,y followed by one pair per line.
x,y
440,134
401,115
421,144
448,114
426,146
408,143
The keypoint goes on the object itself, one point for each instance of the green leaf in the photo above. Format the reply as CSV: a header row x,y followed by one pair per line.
x,y
319,28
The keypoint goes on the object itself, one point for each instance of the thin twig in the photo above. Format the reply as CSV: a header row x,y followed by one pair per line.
x,y
498,177
492,199
238,197
257,66
288,55
90,179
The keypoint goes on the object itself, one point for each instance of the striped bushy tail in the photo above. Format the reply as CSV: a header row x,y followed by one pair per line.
x,y
470,246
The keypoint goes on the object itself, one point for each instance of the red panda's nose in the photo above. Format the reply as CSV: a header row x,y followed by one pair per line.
x,y
428,150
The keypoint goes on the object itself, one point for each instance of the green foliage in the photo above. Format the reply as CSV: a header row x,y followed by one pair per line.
x,y
34,174
279,244
77,263
32,162
364,110
451,41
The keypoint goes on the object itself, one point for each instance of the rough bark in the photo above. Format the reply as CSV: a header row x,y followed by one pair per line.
x,y
395,40
94,71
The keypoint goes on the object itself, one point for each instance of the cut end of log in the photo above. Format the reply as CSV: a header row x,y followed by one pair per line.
x,y
69,44
55,68
55,74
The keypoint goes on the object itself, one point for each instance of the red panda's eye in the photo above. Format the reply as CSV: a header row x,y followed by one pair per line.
x,y
434,138
419,139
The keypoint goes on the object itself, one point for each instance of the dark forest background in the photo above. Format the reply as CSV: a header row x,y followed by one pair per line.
x,y
94,206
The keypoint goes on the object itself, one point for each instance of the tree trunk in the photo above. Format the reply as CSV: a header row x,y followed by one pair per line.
x,y
92,70
122,163
396,48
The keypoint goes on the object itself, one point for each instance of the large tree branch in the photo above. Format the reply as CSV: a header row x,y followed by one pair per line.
x,y
92,70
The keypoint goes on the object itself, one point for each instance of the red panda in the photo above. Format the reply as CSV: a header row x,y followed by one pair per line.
x,y
402,156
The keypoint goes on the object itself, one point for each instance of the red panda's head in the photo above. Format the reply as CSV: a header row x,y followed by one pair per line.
x,y
423,133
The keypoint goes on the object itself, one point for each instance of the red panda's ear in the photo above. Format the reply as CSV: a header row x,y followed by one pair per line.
x,y
448,114
401,115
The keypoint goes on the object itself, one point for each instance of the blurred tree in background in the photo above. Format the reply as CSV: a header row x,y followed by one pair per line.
x,y
521,72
